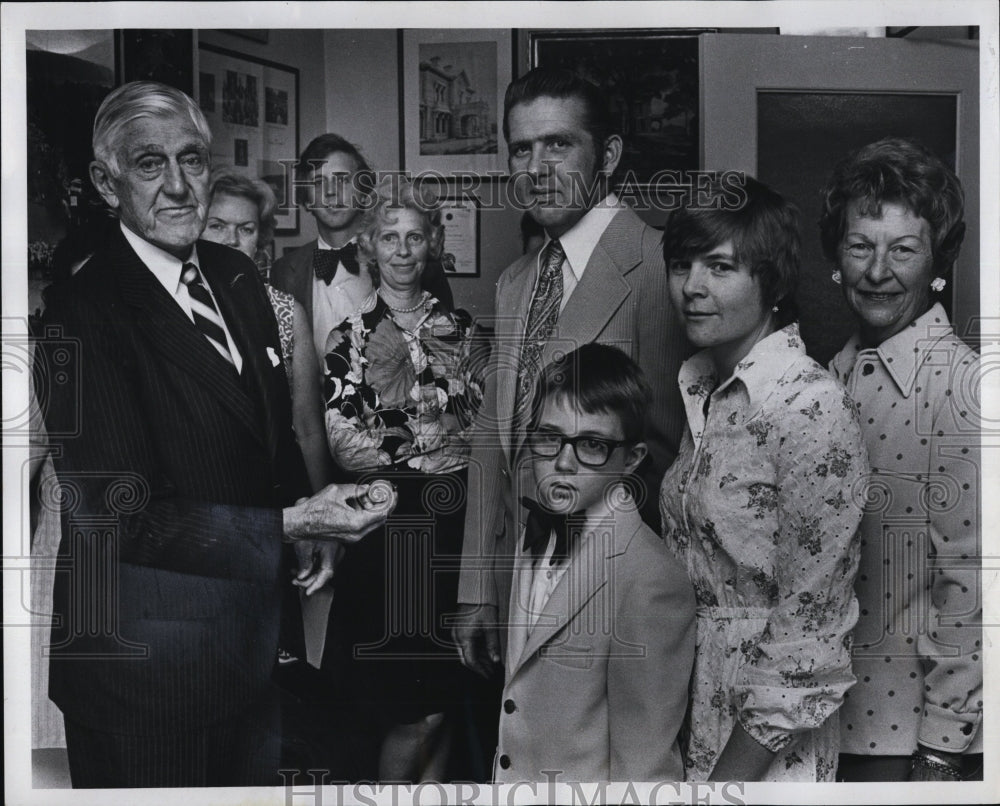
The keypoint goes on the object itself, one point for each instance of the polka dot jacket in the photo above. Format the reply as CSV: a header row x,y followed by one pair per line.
x,y
762,508
917,650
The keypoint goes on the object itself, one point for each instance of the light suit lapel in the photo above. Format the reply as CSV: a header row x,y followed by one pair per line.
x,y
587,572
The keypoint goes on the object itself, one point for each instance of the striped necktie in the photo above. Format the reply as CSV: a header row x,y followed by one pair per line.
x,y
542,315
206,315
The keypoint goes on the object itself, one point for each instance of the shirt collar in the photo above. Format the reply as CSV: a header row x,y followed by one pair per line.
x,y
581,239
321,244
164,266
902,355
769,359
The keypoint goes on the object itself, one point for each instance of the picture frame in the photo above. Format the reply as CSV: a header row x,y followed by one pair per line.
x,y
460,217
252,106
451,87
158,54
652,79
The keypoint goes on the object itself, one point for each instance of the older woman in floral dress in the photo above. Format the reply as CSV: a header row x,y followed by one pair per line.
x,y
760,504
400,399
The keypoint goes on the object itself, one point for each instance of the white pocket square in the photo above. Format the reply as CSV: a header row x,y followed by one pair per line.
x,y
273,356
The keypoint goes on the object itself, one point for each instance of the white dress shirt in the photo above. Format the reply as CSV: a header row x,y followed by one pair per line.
x,y
581,240
167,269
333,303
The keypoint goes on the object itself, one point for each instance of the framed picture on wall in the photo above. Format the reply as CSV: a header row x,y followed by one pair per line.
x,y
160,54
252,106
651,78
452,84
460,216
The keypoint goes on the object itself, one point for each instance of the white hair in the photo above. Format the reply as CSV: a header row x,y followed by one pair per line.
x,y
140,99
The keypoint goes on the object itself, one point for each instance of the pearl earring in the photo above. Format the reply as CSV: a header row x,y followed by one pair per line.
x,y
836,277
938,284
774,309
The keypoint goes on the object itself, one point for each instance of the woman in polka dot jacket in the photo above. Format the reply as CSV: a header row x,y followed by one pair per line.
x,y
892,225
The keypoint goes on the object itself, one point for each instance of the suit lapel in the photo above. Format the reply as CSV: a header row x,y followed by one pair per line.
x,y
511,321
602,289
302,267
172,335
587,572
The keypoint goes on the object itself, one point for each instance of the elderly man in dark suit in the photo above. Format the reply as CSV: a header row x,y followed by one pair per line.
x,y
171,424
599,276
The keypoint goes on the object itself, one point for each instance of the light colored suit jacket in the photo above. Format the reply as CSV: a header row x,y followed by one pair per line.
x,y
600,688
621,300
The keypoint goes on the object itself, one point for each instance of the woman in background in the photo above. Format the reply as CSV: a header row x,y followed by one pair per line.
x,y
892,226
760,503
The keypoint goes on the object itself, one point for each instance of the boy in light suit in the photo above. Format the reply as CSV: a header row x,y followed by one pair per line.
x,y
601,636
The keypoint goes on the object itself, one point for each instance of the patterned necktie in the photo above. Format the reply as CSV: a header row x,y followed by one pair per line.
x,y
542,315
541,523
326,261
206,315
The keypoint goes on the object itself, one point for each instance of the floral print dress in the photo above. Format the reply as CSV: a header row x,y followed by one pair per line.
x,y
400,404
400,397
762,508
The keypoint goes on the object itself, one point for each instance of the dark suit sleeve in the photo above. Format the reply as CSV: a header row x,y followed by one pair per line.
x,y
435,281
106,458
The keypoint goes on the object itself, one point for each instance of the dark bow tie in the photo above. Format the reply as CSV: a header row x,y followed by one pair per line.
x,y
541,523
325,261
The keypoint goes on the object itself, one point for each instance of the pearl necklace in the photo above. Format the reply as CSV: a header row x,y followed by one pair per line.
x,y
417,307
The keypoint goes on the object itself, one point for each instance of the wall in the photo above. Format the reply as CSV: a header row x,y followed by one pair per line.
x,y
303,50
362,80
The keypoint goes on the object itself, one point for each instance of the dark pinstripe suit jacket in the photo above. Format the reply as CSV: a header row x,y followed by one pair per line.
x,y
622,301
175,469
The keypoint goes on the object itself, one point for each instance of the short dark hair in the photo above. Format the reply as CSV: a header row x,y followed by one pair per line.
x,y
597,379
320,147
760,222
900,171
560,83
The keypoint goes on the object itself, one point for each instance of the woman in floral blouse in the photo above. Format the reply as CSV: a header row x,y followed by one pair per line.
x,y
892,226
400,400
760,504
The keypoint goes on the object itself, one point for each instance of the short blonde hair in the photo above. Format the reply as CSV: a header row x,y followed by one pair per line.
x,y
389,197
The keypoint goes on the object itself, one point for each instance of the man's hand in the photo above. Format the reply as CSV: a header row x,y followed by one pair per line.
x,y
317,561
478,641
344,512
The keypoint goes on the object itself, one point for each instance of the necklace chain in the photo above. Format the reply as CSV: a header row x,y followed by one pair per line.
x,y
418,306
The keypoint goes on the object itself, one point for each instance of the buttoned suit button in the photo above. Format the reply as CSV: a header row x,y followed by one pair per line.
x,y
509,707
505,762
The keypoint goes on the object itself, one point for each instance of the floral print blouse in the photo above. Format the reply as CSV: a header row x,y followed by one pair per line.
x,y
918,643
762,507
397,397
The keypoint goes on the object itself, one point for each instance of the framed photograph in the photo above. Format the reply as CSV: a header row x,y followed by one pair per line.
x,y
452,84
160,54
252,106
460,216
651,77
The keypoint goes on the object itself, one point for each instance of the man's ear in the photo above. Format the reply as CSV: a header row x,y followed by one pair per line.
x,y
612,154
634,456
100,175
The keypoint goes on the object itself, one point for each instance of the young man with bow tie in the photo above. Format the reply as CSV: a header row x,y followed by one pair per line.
x,y
601,633
326,275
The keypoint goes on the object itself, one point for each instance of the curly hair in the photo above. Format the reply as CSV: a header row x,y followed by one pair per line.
x,y
391,196
898,171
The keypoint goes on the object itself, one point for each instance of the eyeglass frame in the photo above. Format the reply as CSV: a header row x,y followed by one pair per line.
x,y
612,445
